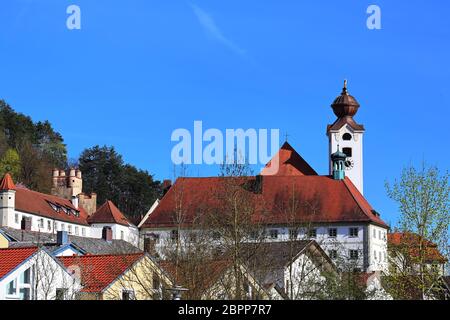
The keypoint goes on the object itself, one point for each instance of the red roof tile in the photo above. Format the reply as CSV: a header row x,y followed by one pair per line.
x,y
319,199
290,163
99,271
7,183
411,242
39,204
109,213
10,258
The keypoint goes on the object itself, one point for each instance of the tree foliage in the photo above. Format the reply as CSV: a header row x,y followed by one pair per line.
x,y
38,146
131,189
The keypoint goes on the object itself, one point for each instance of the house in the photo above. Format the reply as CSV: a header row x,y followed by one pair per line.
x,y
215,280
32,273
118,277
109,216
290,200
63,244
295,269
24,209
405,253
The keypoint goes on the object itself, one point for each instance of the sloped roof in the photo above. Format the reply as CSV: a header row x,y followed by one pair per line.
x,y
89,245
39,204
318,199
290,163
340,122
109,213
99,271
7,183
411,241
10,258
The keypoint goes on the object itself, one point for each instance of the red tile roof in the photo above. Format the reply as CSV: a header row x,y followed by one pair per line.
x,y
99,271
7,183
319,199
411,242
10,258
39,204
109,213
290,163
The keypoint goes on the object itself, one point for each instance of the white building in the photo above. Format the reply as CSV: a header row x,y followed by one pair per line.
x,y
31,273
21,208
329,209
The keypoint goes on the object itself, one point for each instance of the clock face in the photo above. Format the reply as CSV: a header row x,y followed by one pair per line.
x,y
349,163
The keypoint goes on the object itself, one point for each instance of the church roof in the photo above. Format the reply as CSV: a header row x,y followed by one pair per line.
x,y
290,163
340,122
109,213
318,199
7,183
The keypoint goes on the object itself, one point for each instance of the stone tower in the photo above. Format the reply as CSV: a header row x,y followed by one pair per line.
x,y
70,187
347,134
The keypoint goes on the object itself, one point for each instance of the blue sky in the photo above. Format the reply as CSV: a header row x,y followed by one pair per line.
x,y
138,69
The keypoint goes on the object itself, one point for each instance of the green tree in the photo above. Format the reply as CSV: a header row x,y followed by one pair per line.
x,y
104,172
423,198
10,162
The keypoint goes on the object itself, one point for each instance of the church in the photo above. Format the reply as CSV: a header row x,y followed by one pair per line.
x,y
330,209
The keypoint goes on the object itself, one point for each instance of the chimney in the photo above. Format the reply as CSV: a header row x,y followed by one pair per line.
x,y
75,201
107,234
62,238
26,224
166,185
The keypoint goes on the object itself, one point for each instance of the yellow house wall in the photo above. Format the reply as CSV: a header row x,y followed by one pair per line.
x,y
4,243
137,278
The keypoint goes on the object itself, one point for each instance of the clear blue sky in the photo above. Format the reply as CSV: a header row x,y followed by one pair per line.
x,y
138,69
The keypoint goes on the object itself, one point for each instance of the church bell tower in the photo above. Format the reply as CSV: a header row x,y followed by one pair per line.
x,y
347,134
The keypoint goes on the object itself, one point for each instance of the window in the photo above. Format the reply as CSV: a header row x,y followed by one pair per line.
x,y
122,235
293,233
379,255
174,235
156,281
312,233
12,287
127,295
49,225
25,293
16,218
347,151
41,223
76,230
273,233
353,232
332,232
63,227
374,254
26,277
353,254
69,229
374,233
332,254
347,136
61,294
83,232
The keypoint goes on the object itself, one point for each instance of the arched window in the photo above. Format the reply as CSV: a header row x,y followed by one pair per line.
x,y
347,136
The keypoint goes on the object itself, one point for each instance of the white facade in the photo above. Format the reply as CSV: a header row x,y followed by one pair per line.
x,y
353,243
119,232
40,277
349,140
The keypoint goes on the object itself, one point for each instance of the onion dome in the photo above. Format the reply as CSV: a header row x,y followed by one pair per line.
x,y
338,155
345,104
